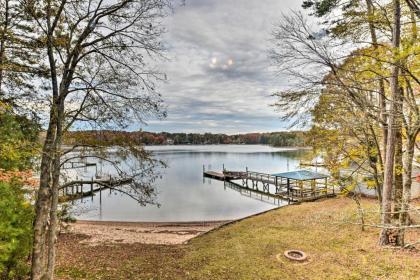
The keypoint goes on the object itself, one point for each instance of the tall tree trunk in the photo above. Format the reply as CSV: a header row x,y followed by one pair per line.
x,y
381,97
411,132
4,31
408,171
398,169
404,216
42,205
398,178
52,233
387,235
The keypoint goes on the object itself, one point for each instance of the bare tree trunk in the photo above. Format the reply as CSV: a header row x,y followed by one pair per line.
x,y
52,230
407,161
398,179
373,151
398,175
381,97
4,31
42,206
408,171
404,218
52,233
386,234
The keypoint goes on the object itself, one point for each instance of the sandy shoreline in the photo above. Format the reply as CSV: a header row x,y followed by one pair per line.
x,y
169,233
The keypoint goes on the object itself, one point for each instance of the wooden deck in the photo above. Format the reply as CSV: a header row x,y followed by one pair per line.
x,y
80,189
274,185
214,175
225,176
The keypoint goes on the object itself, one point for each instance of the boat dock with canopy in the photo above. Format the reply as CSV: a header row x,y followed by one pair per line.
x,y
295,186
303,185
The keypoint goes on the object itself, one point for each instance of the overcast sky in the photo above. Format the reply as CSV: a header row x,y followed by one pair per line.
x,y
219,76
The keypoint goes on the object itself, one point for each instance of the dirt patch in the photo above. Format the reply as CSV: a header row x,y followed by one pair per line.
x,y
77,260
96,233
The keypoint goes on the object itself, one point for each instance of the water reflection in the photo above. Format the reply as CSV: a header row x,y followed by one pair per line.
x,y
184,195
257,195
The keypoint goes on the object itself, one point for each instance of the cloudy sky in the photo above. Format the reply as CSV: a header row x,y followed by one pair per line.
x,y
219,75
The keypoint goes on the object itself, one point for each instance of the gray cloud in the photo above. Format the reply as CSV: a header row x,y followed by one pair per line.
x,y
219,76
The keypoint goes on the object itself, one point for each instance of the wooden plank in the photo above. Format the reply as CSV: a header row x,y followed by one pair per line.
x,y
214,175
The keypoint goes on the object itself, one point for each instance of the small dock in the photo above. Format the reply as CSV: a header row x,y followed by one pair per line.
x,y
214,175
295,186
223,176
79,189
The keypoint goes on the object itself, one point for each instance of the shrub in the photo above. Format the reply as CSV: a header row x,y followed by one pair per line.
x,y
16,214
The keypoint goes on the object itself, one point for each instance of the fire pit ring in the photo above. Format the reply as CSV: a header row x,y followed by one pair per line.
x,y
296,255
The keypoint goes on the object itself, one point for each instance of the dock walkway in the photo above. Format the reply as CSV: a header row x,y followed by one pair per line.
x,y
294,186
78,189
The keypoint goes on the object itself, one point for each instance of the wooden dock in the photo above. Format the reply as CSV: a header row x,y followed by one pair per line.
x,y
223,176
79,189
287,186
214,175
255,194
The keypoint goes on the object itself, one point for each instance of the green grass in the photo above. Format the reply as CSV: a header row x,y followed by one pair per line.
x,y
248,250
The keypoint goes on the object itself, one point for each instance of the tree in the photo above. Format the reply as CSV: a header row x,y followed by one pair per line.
x,y
360,74
18,139
394,124
16,215
18,148
19,60
347,140
97,55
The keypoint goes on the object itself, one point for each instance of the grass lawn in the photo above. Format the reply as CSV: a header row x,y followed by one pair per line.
x,y
248,249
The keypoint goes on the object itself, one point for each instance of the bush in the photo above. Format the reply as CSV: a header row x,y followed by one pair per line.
x,y
16,215
18,140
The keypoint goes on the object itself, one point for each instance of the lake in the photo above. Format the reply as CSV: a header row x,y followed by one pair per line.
x,y
184,195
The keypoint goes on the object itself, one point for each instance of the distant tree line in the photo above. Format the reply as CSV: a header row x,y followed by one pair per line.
x,y
109,137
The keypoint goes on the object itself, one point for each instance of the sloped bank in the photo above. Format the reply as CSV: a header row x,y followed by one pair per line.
x,y
249,249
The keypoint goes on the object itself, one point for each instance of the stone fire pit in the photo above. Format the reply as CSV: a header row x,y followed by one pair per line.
x,y
296,255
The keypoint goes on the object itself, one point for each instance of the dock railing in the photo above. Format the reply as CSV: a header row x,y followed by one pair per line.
x,y
263,177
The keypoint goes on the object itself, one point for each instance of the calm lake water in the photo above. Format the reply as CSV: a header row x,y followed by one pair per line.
x,y
183,193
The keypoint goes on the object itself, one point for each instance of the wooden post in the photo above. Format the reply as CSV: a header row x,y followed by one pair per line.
x,y
223,167
100,194
326,186
91,188
81,191
301,189
313,187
